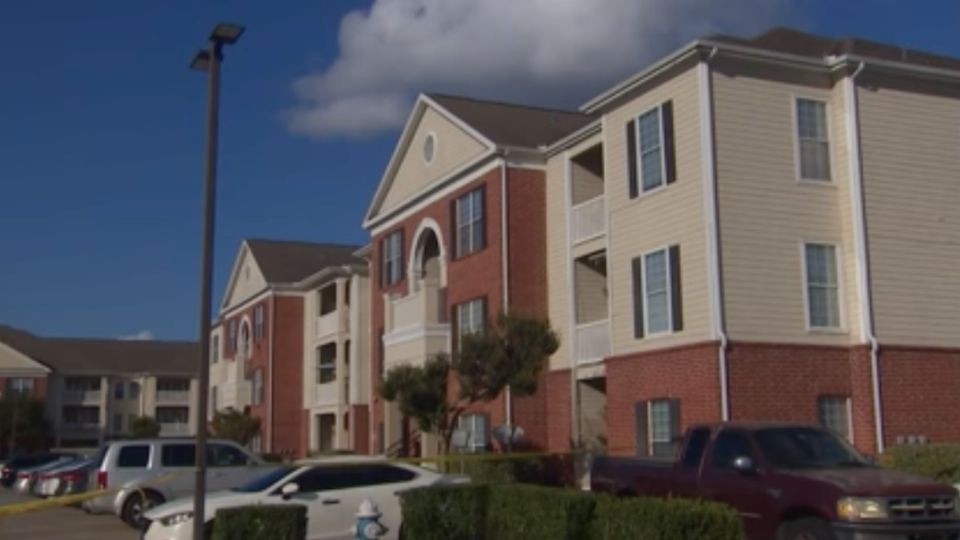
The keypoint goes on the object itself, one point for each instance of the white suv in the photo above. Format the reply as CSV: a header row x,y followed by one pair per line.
x,y
148,472
331,489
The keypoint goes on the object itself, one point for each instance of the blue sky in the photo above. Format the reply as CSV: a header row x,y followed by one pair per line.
x,y
101,123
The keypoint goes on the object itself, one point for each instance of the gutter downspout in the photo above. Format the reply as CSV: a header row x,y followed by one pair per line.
x,y
711,213
505,269
860,242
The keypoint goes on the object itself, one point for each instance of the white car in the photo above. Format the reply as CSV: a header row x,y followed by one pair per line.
x,y
331,489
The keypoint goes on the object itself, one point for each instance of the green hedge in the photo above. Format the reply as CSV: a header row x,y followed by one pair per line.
x,y
553,470
938,461
518,511
266,522
445,512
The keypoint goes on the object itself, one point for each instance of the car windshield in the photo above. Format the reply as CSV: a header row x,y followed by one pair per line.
x,y
806,448
263,482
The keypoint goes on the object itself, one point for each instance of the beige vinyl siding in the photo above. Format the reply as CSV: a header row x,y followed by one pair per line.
x,y
671,215
910,140
766,214
454,147
249,281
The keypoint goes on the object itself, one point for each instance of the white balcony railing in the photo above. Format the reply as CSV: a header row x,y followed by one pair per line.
x,y
81,396
593,341
173,396
179,428
328,324
81,427
419,308
589,219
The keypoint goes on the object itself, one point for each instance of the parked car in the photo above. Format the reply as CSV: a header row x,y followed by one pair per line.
x,y
27,477
789,482
66,479
331,489
8,472
144,473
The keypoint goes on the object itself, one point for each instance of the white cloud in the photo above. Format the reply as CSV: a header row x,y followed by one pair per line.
x,y
143,335
555,52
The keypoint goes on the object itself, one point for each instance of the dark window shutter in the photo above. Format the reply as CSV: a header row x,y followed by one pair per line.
x,y
638,297
632,158
483,218
675,422
676,289
453,229
640,421
383,261
484,314
666,118
400,263
454,328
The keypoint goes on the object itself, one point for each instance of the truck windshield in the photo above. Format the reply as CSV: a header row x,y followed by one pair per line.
x,y
265,481
806,448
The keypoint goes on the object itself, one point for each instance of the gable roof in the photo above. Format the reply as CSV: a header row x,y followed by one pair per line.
x,y
512,124
285,262
95,356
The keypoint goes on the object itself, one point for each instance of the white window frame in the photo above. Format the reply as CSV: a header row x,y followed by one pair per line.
x,y
475,220
471,445
392,257
256,387
848,404
215,349
476,318
797,154
258,322
433,155
23,386
841,309
650,437
638,151
646,284
320,366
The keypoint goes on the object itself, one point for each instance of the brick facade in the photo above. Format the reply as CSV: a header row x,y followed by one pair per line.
x,y
39,386
919,386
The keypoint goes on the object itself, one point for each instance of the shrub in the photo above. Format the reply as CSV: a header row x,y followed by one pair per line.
x,y
662,519
266,522
938,461
522,511
456,512
553,470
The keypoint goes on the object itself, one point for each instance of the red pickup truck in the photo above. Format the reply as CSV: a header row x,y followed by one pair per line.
x,y
790,482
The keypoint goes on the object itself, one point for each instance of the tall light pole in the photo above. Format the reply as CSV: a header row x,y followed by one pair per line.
x,y
208,60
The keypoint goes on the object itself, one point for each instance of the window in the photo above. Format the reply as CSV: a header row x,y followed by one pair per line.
x,y
327,363
657,298
178,455
469,222
651,160
232,334
244,349
133,456
117,423
696,444
256,389
222,455
172,415
213,400
391,256
173,385
812,140
82,384
118,388
20,385
215,349
471,317
728,447
657,427
429,148
327,300
823,298
258,323
472,433
134,390
834,414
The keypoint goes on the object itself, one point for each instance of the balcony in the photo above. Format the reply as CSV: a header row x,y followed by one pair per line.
x,y
82,396
420,308
173,396
588,219
593,341
330,324
174,429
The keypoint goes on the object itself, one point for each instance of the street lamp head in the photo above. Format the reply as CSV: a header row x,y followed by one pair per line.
x,y
227,33
201,61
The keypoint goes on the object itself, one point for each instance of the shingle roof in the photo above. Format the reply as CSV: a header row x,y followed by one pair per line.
x,y
105,356
509,124
287,262
793,41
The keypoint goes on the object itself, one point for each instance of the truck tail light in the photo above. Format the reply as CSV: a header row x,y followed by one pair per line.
x,y
101,479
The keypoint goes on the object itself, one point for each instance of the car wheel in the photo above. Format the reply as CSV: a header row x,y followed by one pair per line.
x,y
136,505
805,529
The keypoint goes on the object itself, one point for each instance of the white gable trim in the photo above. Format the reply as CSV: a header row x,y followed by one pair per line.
x,y
234,274
30,367
399,151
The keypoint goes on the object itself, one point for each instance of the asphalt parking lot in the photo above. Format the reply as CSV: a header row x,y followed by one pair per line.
x,y
57,523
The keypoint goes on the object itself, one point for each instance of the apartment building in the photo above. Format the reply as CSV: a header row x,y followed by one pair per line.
x,y
761,229
457,229
93,389
291,321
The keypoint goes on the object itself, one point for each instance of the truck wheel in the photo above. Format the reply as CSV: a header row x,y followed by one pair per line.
x,y
805,529
136,505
